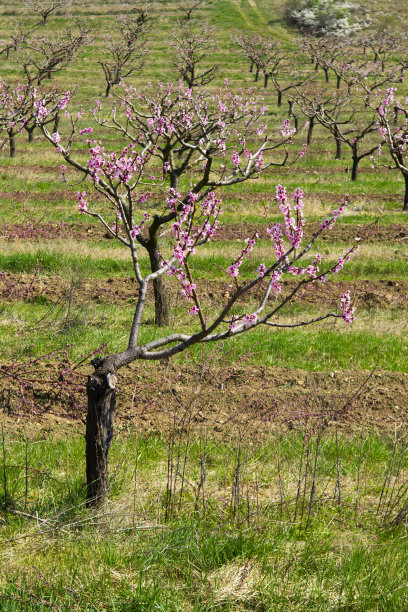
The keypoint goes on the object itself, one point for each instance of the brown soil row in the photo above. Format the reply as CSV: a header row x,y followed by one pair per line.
x,y
226,400
340,233
367,294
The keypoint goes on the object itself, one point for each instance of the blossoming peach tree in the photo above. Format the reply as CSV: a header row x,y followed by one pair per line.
x,y
393,126
201,144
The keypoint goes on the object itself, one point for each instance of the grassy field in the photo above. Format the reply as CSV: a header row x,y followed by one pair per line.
x,y
299,436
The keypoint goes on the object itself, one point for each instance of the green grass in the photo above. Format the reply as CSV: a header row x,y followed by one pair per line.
x,y
257,556
25,330
126,557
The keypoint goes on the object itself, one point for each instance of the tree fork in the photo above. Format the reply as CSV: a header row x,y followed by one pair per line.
x,y
101,392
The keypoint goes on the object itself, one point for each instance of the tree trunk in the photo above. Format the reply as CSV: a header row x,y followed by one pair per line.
x,y
257,75
266,81
326,74
310,131
161,300
108,88
251,68
290,103
30,132
279,99
99,431
338,82
12,144
354,169
405,207
338,144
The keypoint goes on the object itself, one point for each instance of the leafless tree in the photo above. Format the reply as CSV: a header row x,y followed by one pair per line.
x,y
46,8
46,55
17,39
191,48
127,50
348,119
383,45
189,7
265,55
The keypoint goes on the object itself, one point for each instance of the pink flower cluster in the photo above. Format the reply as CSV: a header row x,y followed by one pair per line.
x,y
347,310
82,201
233,269
293,226
189,233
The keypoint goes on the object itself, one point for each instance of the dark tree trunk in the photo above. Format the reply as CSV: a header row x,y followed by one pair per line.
x,y
310,131
108,88
338,82
296,122
12,144
161,300
290,103
338,144
30,132
326,74
354,169
405,207
266,81
316,67
279,99
251,68
101,391
257,75
56,123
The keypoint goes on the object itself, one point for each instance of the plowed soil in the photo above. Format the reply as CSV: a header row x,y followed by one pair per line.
x,y
367,294
160,397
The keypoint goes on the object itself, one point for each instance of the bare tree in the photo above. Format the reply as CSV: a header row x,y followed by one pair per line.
x,y
265,55
17,39
191,47
46,8
189,7
46,55
346,116
127,50
383,45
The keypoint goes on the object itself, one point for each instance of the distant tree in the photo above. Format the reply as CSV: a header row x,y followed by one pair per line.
x,y
265,56
393,127
326,17
46,8
189,7
17,39
126,48
191,46
348,119
18,108
44,56
383,45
